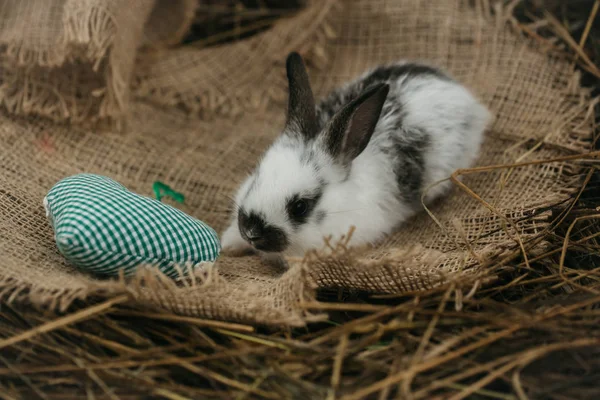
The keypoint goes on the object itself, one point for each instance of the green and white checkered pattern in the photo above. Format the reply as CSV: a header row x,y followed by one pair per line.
x,y
102,227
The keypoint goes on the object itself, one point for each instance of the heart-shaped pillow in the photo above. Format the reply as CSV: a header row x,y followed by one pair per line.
x,y
102,227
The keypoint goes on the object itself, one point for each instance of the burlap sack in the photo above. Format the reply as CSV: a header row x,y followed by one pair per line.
x,y
238,91
73,59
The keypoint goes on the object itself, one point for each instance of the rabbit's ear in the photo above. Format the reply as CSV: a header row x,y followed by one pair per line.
x,y
350,130
301,119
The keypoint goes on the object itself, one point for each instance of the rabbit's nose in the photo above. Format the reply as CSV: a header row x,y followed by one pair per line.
x,y
256,241
253,238
255,230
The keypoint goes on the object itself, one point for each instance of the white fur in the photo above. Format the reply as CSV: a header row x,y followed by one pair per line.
x,y
369,199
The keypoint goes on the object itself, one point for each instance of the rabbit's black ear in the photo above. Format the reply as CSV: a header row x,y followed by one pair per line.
x,y
350,130
301,117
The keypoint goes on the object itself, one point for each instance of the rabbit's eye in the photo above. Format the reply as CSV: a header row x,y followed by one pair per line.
x,y
299,208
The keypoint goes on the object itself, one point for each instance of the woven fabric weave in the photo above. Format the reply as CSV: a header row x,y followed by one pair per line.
x,y
201,118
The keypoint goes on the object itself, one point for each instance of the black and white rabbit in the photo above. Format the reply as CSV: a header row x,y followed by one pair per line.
x,y
361,157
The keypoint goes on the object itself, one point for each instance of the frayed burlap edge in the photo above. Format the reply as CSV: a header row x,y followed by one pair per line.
x,y
86,49
83,29
148,287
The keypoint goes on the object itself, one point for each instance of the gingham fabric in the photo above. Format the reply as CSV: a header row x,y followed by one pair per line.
x,y
102,227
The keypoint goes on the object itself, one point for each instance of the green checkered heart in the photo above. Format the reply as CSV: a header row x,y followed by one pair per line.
x,y
102,227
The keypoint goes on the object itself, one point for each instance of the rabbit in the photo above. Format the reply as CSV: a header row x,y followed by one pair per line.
x,y
361,157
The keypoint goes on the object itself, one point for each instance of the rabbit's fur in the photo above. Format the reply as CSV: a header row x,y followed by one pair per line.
x,y
360,157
